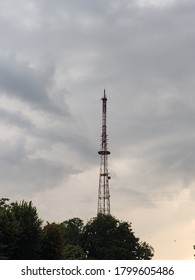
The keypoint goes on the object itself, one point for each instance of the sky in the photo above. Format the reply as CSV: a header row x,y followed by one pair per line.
x,y
56,59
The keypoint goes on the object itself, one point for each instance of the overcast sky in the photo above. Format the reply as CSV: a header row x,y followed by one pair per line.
x,y
56,58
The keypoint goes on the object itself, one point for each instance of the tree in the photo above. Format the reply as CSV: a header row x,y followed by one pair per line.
x,y
9,230
73,252
28,239
52,242
72,232
105,237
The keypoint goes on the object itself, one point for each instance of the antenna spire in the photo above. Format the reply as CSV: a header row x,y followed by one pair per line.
x,y
104,177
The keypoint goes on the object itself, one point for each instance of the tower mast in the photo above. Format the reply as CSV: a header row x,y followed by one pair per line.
x,y
104,177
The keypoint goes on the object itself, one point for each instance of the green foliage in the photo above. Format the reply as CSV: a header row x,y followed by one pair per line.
x,y
20,230
73,252
9,230
29,237
52,242
72,231
104,237
3,203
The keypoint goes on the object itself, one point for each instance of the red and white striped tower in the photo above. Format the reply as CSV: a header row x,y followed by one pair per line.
x,y
104,177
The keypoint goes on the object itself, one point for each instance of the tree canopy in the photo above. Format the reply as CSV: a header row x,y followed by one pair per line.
x,y
52,242
20,230
106,238
23,236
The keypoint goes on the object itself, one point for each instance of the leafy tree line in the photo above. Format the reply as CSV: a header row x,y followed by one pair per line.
x,y
23,236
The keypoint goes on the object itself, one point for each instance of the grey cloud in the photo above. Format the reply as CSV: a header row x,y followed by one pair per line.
x,y
22,173
18,80
146,46
164,143
16,119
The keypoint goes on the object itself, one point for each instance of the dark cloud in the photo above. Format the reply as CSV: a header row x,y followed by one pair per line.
x,y
19,81
23,174
144,55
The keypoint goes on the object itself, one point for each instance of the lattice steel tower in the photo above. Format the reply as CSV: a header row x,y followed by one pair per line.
x,y
104,177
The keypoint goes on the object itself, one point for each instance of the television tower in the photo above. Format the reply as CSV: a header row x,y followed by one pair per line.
x,y
104,177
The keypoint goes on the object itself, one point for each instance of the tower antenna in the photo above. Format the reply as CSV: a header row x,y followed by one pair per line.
x,y
104,177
